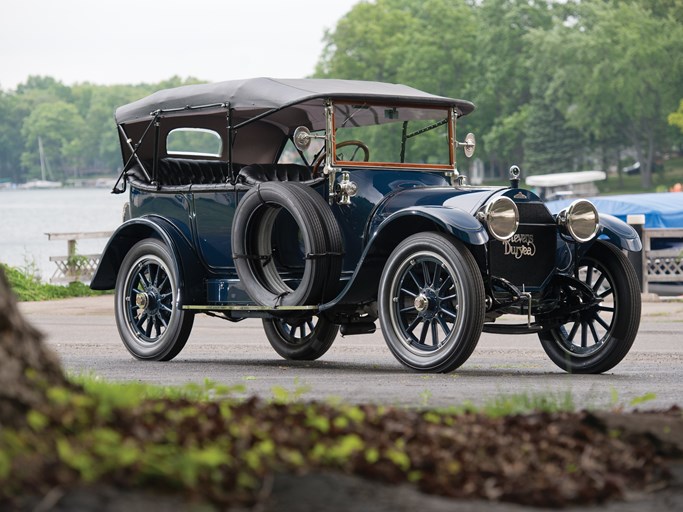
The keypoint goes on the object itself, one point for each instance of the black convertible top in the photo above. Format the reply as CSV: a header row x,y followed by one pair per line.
x,y
266,94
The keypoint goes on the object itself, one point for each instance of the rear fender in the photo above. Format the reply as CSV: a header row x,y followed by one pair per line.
x,y
393,230
186,263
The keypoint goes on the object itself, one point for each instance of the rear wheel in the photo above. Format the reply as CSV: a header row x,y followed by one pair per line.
x,y
597,339
151,325
302,338
431,302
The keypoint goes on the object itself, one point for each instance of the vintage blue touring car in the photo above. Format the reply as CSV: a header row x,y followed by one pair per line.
x,y
325,206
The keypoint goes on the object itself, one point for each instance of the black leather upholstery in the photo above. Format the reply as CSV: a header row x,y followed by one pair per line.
x,y
259,173
181,171
173,172
178,172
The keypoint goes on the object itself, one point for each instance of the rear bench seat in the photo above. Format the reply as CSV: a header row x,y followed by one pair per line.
x,y
175,172
180,172
258,173
183,171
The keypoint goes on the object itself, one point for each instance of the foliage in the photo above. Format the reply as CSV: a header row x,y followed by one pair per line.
x,y
74,124
203,442
559,86
676,118
28,287
618,75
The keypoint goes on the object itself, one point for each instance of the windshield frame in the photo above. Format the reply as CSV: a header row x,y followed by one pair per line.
x,y
450,115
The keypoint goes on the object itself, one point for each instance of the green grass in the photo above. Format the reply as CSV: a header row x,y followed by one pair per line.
x,y
29,288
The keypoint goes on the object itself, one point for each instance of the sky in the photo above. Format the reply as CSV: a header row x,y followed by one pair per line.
x,y
133,41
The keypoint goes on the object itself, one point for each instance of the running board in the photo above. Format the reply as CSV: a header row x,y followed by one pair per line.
x,y
217,307
513,328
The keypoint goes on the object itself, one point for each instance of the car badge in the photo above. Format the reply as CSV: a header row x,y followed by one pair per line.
x,y
520,195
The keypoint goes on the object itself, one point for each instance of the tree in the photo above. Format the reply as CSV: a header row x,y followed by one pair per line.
x,y
11,141
428,45
501,86
676,118
60,129
366,44
550,146
27,367
619,72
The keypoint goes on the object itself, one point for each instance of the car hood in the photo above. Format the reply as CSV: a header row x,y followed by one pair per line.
x,y
468,199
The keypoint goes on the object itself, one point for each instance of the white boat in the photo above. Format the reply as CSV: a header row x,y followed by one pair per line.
x,y
563,185
43,182
33,184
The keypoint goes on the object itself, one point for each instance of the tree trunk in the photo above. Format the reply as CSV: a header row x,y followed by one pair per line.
x,y
27,367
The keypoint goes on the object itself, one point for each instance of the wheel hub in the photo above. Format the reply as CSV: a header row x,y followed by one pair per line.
x,y
427,303
421,303
147,301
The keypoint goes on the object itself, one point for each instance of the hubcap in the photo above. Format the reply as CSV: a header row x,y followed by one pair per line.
x,y
147,301
142,301
421,303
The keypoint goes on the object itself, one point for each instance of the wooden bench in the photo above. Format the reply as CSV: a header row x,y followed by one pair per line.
x,y
74,266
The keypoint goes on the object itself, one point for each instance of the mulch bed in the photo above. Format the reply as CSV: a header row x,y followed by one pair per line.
x,y
541,459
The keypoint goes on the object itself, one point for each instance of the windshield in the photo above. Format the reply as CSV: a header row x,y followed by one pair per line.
x,y
392,135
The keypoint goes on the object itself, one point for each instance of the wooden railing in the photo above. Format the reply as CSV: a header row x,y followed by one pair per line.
x,y
74,266
661,266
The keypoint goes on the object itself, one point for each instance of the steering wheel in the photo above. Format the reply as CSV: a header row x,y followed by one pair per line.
x,y
357,143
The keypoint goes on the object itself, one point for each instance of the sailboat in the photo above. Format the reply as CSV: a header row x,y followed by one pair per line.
x,y
43,182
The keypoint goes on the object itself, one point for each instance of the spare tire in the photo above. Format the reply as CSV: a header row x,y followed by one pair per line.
x,y
265,267
333,238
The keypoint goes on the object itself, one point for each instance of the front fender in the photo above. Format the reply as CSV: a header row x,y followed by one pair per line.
x,y
619,233
185,262
362,287
454,221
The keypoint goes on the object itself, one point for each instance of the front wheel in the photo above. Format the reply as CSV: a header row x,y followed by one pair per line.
x,y
149,321
301,339
597,339
431,303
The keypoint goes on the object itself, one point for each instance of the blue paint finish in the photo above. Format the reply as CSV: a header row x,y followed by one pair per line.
x,y
454,221
175,207
213,214
374,185
619,233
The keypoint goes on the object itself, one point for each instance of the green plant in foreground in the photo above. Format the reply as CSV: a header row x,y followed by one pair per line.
x,y
204,441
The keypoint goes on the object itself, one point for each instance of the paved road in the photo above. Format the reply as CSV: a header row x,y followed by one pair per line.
x,y
360,368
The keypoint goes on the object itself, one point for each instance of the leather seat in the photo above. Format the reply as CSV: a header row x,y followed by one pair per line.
x,y
181,171
259,173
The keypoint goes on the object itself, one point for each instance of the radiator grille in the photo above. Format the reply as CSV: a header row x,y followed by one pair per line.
x,y
528,258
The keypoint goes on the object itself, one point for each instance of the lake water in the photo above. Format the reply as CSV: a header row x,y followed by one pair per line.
x,y
26,215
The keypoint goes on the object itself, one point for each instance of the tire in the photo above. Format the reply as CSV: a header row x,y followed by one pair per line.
x,y
608,329
431,303
151,325
333,238
258,265
302,339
